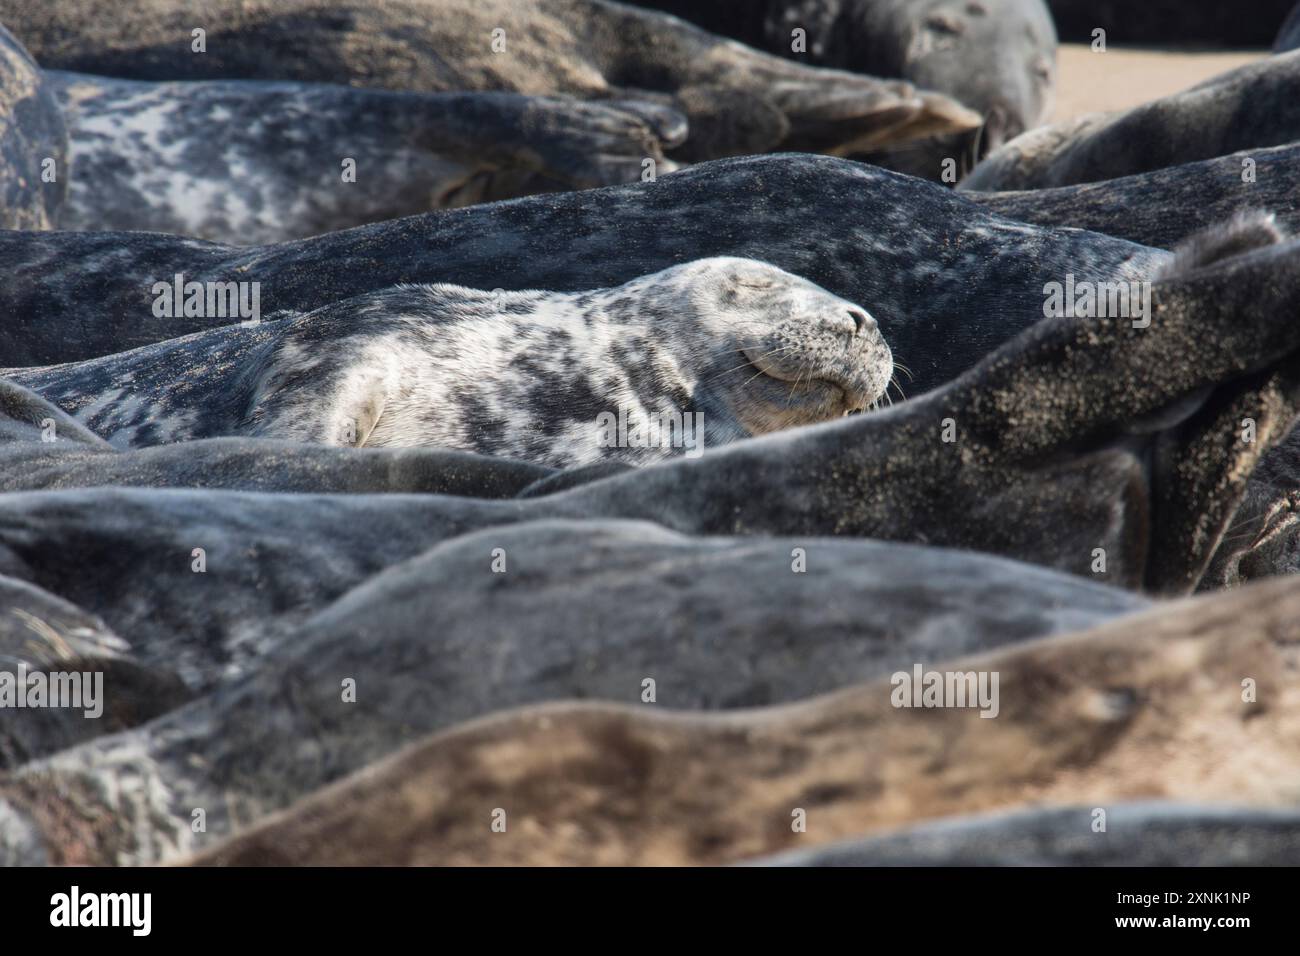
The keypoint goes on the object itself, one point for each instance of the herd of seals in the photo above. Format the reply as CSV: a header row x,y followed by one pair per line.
x,y
569,432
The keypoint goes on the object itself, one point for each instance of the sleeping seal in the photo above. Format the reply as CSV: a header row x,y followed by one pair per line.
x,y
738,100
1253,106
710,351
995,56
1081,434
947,280
249,162
33,142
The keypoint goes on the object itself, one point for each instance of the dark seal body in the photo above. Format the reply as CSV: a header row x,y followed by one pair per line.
x,y
738,100
1251,107
607,603
996,56
946,280
1163,207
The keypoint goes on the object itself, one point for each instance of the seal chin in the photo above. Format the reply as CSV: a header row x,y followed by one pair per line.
x,y
823,393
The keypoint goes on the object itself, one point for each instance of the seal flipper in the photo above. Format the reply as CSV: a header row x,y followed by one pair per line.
x,y
316,384
1247,230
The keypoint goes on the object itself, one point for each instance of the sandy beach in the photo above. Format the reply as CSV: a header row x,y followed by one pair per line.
x,y
1121,78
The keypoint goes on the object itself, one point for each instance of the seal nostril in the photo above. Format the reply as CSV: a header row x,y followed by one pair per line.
x,y
860,321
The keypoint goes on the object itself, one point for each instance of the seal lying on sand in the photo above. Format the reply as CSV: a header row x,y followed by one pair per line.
x,y
33,142
738,100
610,605
249,162
700,354
1165,206
947,281
1151,704
995,56
1253,106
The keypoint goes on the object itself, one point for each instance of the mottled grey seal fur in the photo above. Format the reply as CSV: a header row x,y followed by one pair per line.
x,y
1210,22
33,142
45,634
249,162
715,350
946,280
1264,538
609,604
1251,107
1163,207
1150,703
738,100
995,56
42,447
1080,438
1137,834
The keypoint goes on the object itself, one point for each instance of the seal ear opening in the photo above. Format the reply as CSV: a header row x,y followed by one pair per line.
x,y
1244,232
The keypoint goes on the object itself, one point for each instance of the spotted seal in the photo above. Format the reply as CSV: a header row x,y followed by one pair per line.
x,y
946,280
1251,107
712,351
1065,449
610,603
33,142
41,446
995,56
738,100
249,162
1150,703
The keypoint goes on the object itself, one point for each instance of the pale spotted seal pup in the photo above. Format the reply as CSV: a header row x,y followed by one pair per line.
x,y
250,162
738,100
947,280
33,142
1251,107
697,355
